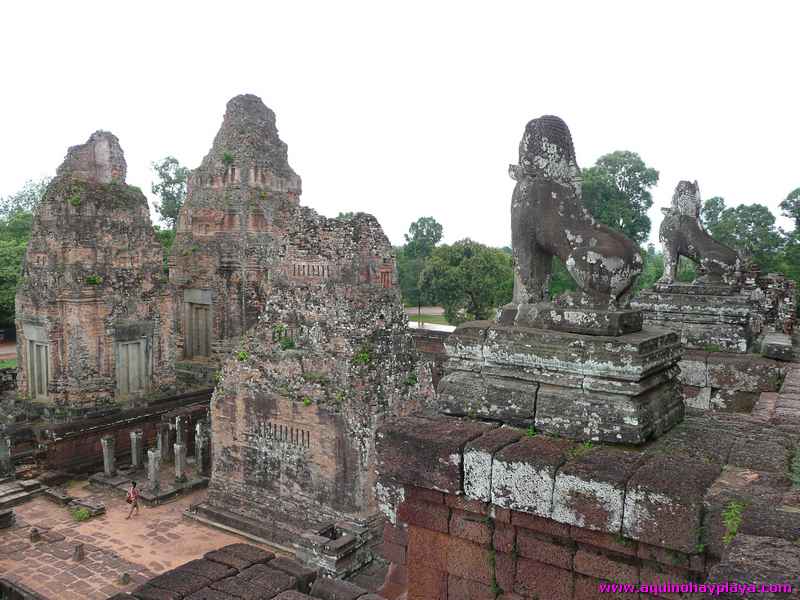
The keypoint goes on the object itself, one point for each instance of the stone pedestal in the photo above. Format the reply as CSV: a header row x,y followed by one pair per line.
x,y
137,449
6,462
621,389
162,441
706,317
180,463
109,458
154,470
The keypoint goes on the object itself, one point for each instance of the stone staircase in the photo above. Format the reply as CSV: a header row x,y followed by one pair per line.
x,y
14,492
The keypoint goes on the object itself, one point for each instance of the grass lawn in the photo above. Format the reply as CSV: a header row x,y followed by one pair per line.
x,y
433,319
11,363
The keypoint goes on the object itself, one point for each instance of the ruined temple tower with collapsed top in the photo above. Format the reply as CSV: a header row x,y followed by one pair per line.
x,y
93,310
307,312
230,236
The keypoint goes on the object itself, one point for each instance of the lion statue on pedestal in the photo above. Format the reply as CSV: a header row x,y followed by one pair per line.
x,y
548,219
683,234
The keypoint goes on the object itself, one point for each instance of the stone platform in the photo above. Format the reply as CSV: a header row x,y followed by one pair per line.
x,y
551,316
707,317
606,388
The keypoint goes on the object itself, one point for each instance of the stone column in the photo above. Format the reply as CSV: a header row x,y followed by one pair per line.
x,y
6,462
163,441
109,458
136,449
154,469
181,425
202,448
180,463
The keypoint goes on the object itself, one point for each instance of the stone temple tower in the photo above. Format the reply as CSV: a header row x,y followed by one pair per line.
x,y
239,205
93,312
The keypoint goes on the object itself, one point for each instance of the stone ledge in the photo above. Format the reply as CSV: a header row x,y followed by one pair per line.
x,y
657,494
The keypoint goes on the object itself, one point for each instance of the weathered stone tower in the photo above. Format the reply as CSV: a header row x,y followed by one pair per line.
x,y
308,311
93,311
230,231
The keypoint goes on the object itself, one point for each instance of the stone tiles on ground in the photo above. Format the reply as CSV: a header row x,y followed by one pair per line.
x,y
143,547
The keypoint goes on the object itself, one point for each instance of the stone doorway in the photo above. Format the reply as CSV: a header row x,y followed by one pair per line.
x,y
38,371
131,368
198,330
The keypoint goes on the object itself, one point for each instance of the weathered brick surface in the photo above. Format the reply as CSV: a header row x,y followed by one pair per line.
x,y
523,474
470,526
425,583
543,550
675,490
590,489
336,589
465,589
93,296
538,580
426,452
606,566
423,514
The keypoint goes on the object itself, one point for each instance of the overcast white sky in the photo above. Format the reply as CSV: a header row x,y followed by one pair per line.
x,y
411,109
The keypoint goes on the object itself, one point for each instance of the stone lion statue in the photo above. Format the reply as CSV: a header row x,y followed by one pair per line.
x,y
682,234
548,219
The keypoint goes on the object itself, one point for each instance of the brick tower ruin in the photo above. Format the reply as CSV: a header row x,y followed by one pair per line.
x,y
325,354
93,310
230,231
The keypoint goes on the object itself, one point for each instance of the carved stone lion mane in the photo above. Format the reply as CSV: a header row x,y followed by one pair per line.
x,y
548,219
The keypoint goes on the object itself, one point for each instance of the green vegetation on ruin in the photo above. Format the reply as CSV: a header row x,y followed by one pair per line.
x,y
227,158
10,363
307,401
242,355
530,431
315,377
362,357
93,280
411,379
581,449
80,514
794,468
732,519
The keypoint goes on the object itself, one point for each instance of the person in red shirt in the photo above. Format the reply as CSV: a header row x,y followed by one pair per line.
x,y
133,499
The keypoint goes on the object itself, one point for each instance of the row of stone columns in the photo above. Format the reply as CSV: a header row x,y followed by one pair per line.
x,y
157,455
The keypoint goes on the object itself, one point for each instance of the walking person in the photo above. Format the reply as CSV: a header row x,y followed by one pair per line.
x,y
133,499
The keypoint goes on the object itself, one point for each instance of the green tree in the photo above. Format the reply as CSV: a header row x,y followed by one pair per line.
x,y
170,187
790,207
711,212
421,239
16,219
468,279
423,235
616,190
749,228
167,238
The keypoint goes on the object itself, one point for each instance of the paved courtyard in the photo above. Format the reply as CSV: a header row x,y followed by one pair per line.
x,y
157,540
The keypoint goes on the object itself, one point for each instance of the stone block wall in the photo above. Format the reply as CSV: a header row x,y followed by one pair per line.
x,y
479,511
431,346
720,381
